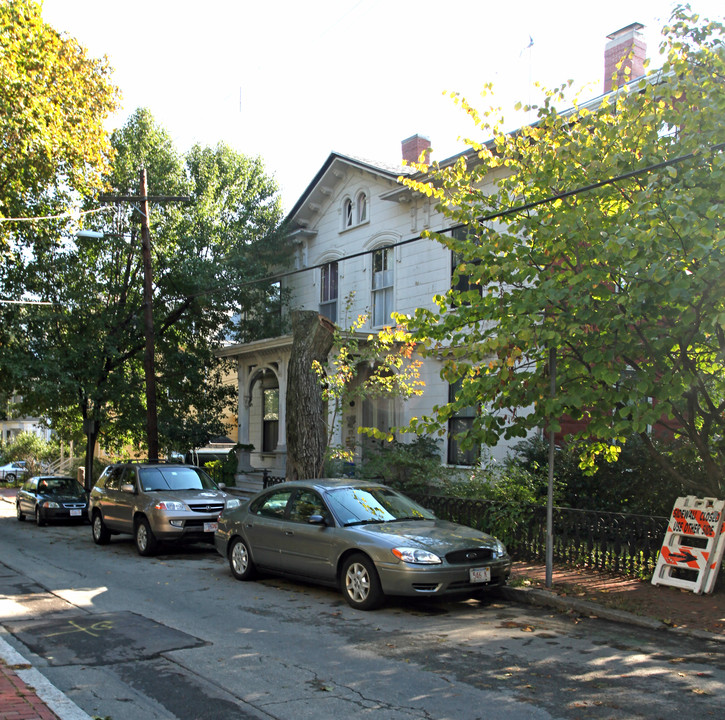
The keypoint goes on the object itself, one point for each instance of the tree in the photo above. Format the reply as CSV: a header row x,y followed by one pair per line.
x,y
85,351
54,101
356,368
596,234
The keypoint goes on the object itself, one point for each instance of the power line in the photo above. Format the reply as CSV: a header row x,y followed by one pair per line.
x,y
484,218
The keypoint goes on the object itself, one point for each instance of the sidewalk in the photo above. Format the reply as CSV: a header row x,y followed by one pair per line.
x,y
25,694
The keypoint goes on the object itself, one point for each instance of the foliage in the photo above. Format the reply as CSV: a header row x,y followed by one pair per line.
x,y
368,366
29,447
631,485
508,482
597,233
81,358
54,101
411,467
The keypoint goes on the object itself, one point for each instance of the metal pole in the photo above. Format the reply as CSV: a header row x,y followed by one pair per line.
x,y
550,494
152,428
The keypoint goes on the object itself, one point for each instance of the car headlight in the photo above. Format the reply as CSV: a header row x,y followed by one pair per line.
x,y
232,503
171,505
51,504
499,549
416,556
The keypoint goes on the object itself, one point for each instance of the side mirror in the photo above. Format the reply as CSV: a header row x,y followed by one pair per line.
x,y
316,520
128,488
221,486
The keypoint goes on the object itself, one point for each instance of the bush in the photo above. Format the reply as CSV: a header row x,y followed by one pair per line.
x,y
411,467
633,484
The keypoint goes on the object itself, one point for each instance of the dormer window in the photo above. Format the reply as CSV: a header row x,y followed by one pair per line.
x,y
355,210
362,207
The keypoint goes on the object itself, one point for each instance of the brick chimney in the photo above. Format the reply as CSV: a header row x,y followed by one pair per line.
x,y
414,146
623,43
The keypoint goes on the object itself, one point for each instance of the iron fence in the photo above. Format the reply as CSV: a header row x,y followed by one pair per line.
x,y
614,542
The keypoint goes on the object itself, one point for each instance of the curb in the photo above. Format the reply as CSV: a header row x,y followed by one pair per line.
x,y
545,598
53,698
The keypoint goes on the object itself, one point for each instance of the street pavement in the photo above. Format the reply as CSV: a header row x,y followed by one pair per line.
x,y
25,694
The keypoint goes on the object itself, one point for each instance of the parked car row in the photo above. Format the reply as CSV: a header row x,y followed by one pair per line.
x,y
364,538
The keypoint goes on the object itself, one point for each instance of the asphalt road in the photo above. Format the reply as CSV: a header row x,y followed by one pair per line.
x,y
176,636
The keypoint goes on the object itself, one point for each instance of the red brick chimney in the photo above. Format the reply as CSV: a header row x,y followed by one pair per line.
x,y
414,146
623,43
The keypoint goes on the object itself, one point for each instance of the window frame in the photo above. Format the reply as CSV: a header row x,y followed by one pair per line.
x,y
328,303
384,291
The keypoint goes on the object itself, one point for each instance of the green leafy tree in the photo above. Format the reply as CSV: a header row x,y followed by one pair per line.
x,y
597,234
84,353
54,101
363,366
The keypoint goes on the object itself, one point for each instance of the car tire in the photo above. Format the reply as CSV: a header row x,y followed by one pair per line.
x,y
19,514
360,583
39,519
101,534
240,560
146,542
10,479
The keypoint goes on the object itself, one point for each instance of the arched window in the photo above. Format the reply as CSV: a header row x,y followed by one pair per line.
x,y
362,207
347,210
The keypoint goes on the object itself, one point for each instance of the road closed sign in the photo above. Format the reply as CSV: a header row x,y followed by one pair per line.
x,y
692,551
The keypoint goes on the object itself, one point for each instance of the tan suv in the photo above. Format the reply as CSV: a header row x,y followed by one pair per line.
x,y
156,502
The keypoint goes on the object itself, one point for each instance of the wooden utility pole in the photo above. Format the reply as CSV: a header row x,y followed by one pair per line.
x,y
152,424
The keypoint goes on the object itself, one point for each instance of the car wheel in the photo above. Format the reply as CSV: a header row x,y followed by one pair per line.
x,y
146,542
240,560
101,534
10,478
361,584
19,514
39,519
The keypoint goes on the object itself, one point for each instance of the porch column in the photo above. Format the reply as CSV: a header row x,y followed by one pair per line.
x,y
282,424
242,403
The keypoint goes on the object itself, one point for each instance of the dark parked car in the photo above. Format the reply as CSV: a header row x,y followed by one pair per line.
x,y
156,502
365,538
50,497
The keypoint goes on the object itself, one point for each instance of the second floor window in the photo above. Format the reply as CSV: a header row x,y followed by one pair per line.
x,y
328,291
382,291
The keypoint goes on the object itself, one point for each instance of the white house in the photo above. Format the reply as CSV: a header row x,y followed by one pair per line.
x,y
355,232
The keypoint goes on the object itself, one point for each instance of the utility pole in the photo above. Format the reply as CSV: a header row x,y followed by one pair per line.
x,y
152,425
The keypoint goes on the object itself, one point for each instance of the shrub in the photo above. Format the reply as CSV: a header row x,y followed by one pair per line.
x,y
411,467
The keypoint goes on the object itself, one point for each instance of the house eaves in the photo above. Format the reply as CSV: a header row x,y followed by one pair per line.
x,y
322,185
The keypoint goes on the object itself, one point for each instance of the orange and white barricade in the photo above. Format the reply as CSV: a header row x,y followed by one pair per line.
x,y
692,551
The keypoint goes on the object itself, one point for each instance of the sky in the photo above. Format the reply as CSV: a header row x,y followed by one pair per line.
x,y
293,81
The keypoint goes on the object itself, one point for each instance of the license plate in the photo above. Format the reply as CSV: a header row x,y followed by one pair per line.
x,y
210,527
76,513
479,575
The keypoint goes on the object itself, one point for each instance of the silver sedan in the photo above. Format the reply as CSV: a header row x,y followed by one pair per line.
x,y
365,538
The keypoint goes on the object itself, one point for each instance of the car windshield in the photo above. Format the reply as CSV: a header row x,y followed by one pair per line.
x,y
175,478
355,506
58,486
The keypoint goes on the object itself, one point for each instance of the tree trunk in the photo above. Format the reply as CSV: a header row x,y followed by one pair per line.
x,y
312,339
